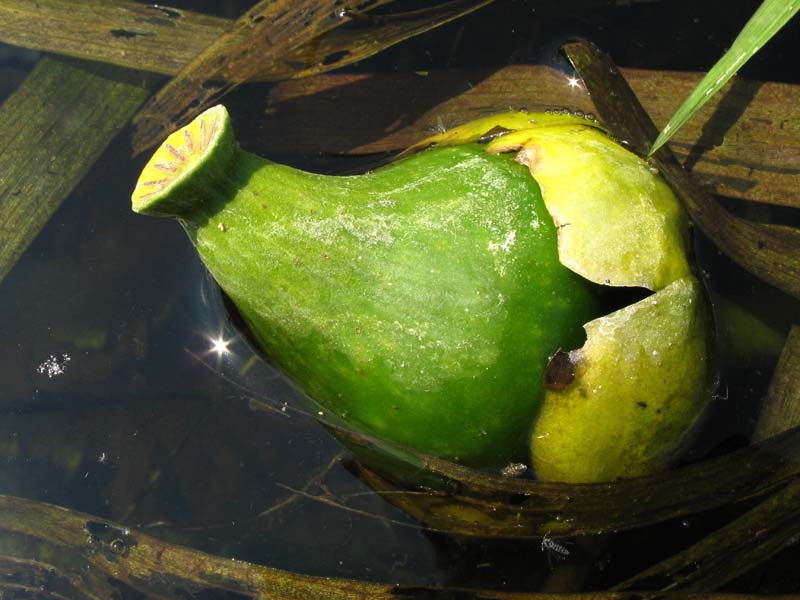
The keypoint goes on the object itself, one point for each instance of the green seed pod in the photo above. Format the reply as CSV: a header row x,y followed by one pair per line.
x,y
422,302
419,302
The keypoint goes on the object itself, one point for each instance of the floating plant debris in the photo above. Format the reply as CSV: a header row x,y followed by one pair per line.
x,y
280,33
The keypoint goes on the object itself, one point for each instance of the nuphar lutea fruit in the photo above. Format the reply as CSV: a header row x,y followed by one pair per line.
x,y
451,302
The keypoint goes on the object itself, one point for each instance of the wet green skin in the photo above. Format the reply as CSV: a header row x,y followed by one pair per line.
x,y
419,302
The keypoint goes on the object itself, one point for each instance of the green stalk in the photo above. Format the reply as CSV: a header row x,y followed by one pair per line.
x,y
771,16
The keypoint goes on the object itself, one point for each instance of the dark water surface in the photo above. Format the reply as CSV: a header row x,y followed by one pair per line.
x,y
114,402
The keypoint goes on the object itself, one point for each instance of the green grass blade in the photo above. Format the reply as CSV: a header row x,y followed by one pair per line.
x,y
766,22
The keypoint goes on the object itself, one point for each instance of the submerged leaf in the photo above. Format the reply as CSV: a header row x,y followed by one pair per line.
x,y
283,33
266,32
781,407
150,568
59,120
729,552
342,47
770,17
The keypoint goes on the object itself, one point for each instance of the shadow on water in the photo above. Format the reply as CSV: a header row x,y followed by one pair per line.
x,y
733,104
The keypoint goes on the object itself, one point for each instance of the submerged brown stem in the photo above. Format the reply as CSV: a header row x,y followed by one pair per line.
x,y
781,408
484,505
111,553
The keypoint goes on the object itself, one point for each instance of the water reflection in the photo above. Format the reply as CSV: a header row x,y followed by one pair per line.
x,y
219,346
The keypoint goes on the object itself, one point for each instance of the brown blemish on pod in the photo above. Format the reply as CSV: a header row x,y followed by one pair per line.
x,y
560,371
530,157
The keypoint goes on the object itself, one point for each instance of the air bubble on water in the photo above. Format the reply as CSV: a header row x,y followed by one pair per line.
x,y
54,366
514,469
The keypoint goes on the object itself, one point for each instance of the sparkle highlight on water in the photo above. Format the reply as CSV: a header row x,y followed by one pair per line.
x,y
219,346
